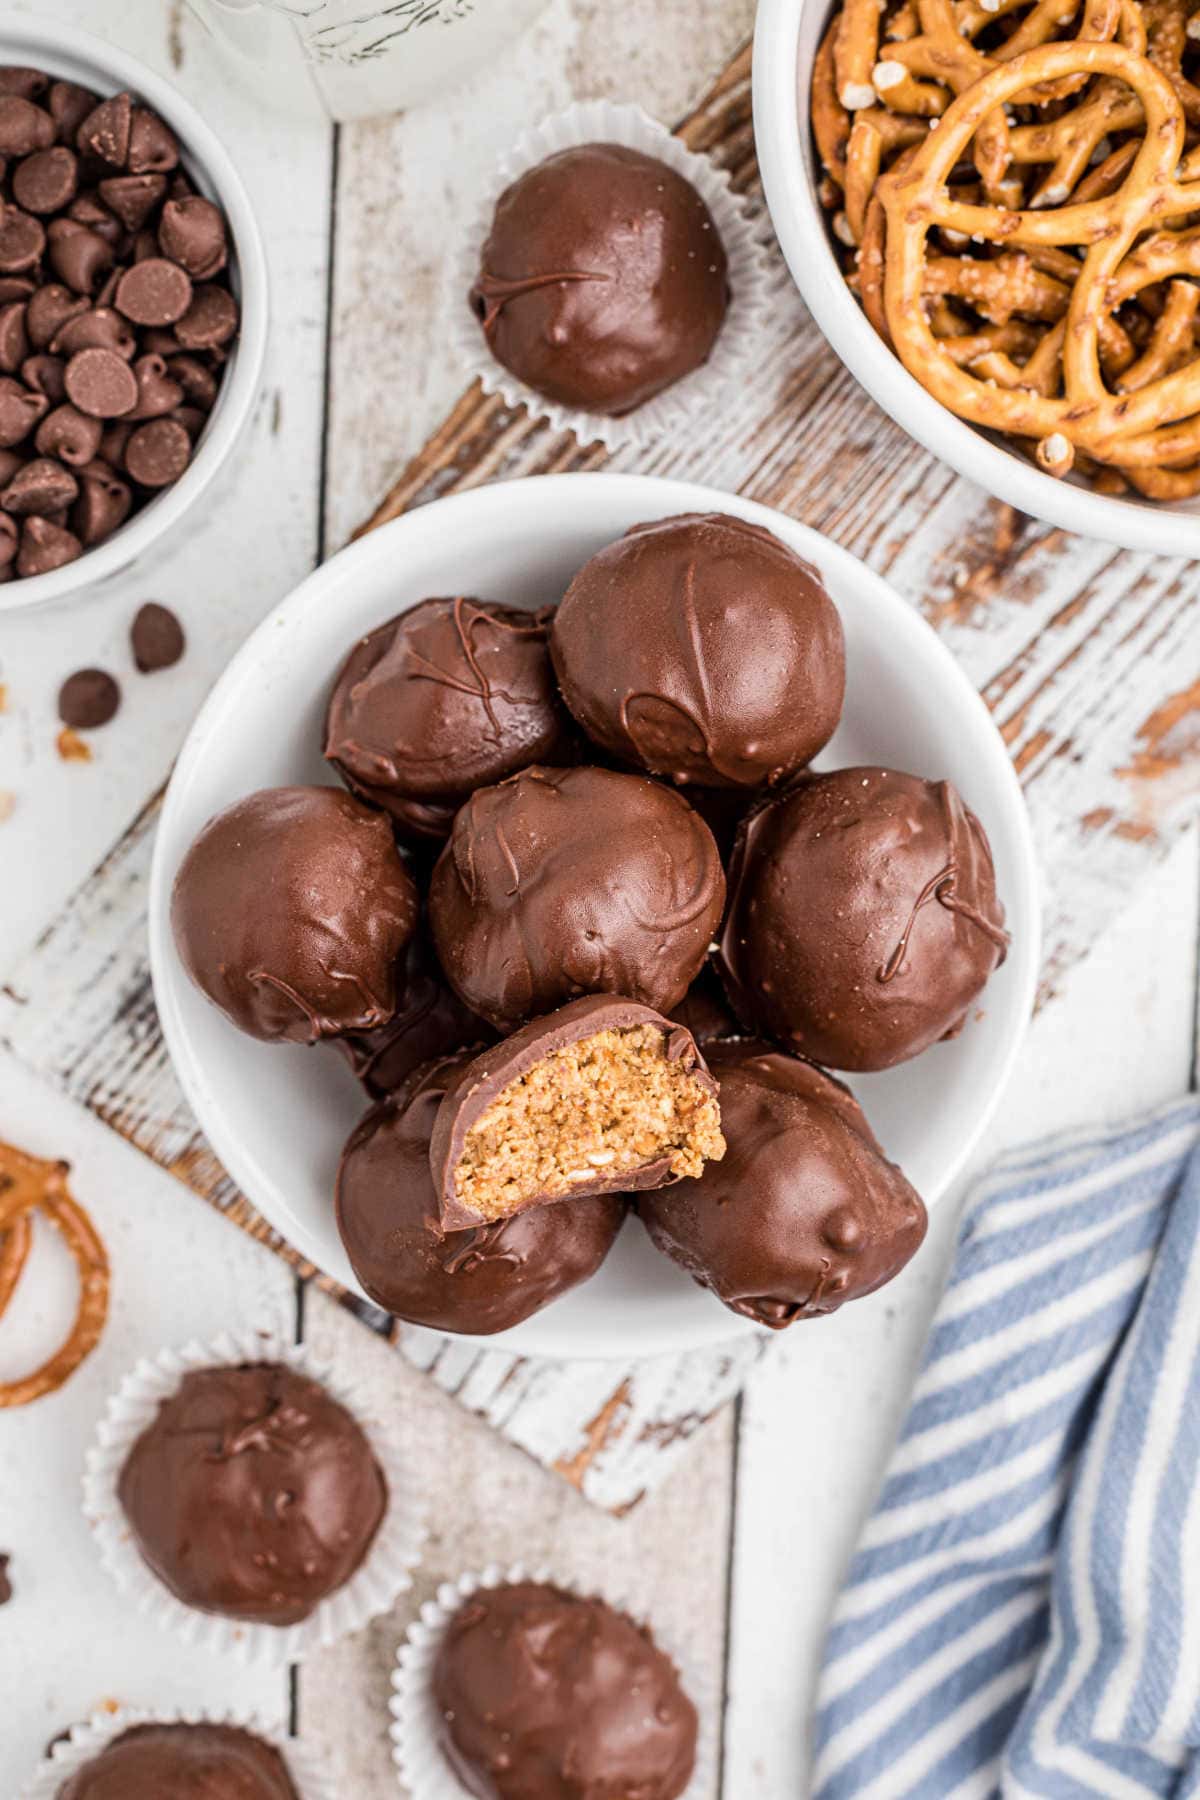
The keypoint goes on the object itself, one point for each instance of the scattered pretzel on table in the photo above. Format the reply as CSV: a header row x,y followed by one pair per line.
x,y
1019,214
28,1185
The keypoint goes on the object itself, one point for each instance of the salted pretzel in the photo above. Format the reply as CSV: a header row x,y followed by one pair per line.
x,y
28,1185
1025,219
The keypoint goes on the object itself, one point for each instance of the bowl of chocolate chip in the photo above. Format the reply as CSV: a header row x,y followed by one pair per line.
x,y
595,914
133,310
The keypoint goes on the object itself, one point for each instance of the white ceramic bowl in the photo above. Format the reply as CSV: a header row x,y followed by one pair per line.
x,y
278,1115
787,33
74,55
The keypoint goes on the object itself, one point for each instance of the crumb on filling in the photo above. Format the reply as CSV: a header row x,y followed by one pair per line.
x,y
605,1105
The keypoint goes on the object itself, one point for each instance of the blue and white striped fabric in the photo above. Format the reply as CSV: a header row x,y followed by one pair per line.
x,y
1022,1617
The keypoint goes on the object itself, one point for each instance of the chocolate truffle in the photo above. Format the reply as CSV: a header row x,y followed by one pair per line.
x,y
863,919
603,1096
188,1762
429,1023
703,649
805,1212
561,882
252,1493
475,1281
603,278
289,912
451,696
544,1695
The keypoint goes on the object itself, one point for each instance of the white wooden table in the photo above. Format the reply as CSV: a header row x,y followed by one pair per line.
x,y
739,1551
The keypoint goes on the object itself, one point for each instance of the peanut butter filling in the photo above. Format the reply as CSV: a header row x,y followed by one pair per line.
x,y
605,1105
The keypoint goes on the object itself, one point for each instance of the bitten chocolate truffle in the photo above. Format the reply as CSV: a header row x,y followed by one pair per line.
x,y
863,919
603,278
543,1694
451,696
430,1022
187,1762
289,912
476,1281
562,882
252,1493
702,649
603,1096
805,1212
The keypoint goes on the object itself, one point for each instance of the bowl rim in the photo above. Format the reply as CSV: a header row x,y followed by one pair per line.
x,y
656,496
45,43
799,223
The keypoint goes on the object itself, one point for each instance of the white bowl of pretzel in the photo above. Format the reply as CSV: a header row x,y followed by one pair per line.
x,y
992,208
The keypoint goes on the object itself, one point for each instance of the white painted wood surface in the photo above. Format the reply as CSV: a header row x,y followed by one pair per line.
x,y
763,1508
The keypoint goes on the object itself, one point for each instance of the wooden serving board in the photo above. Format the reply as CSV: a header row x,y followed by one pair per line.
x,y
1088,657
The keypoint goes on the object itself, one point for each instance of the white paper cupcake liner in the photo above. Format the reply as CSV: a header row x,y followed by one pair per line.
x,y
416,1739
602,121
372,1589
310,1778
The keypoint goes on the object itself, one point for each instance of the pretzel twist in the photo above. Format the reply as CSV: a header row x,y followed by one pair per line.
x,y
29,1185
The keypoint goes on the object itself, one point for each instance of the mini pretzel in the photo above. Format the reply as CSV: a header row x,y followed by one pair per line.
x,y
27,1184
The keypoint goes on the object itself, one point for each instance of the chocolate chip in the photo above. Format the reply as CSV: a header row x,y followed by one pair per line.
x,y
78,256
105,131
157,392
45,546
158,453
154,292
69,105
46,181
14,287
87,699
69,435
42,486
22,239
10,534
88,209
44,374
198,383
133,197
101,327
157,638
103,504
48,310
211,319
24,127
31,84
113,442
6,1592
14,345
101,383
192,420
192,233
20,411
153,146
10,462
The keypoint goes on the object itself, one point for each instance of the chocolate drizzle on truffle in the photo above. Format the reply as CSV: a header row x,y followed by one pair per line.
x,y
543,1694
252,1493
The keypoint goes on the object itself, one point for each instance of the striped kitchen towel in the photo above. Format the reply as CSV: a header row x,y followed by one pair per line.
x,y
1022,1616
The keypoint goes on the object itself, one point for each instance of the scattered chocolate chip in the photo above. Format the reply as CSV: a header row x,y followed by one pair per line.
x,y
14,344
105,131
211,319
6,1592
24,127
45,546
100,382
133,198
69,105
100,327
69,435
157,638
20,411
46,181
155,292
42,486
88,699
22,239
158,453
79,256
153,146
103,504
192,233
